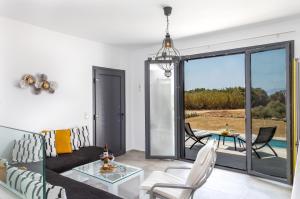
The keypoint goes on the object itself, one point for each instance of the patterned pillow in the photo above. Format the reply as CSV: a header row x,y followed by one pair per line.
x,y
50,143
74,139
84,138
32,136
33,189
28,150
55,192
30,184
14,176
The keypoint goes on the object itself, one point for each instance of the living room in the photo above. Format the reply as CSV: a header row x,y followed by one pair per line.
x,y
91,70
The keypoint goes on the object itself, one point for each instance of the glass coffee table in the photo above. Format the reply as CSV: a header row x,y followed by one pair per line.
x,y
112,180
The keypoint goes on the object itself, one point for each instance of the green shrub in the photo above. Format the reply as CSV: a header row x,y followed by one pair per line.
x,y
274,109
259,97
229,98
264,106
193,114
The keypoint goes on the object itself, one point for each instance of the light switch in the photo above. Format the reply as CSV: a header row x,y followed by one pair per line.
x,y
86,116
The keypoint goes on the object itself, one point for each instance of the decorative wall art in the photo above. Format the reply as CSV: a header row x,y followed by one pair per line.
x,y
38,83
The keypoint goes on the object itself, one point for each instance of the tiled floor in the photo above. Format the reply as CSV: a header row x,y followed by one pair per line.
x,y
222,184
228,156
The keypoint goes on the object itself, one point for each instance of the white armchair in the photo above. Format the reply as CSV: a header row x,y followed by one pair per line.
x,y
165,185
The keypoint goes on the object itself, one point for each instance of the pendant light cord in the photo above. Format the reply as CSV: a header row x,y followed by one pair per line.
x,y
167,29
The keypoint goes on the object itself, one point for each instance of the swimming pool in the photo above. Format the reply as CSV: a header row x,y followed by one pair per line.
x,y
274,143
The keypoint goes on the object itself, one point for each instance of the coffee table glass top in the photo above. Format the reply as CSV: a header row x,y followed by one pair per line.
x,y
121,172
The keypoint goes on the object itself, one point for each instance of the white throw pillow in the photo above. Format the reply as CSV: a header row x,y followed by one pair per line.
x,y
55,192
33,189
84,138
14,176
50,144
28,150
30,184
75,139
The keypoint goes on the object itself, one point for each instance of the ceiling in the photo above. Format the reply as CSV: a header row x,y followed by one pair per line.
x,y
138,22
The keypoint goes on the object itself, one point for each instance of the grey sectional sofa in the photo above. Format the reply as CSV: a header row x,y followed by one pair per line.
x,y
75,189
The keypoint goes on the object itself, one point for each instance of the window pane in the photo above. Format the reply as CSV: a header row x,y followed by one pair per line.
x,y
268,81
215,105
162,126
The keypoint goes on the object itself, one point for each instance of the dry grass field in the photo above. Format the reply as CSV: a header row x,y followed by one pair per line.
x,y
217,119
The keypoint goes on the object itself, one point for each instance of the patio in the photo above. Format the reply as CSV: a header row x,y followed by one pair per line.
x,y
229,157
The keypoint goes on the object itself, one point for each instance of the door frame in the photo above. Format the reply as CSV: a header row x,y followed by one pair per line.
x,y
112,72
147,111
289,45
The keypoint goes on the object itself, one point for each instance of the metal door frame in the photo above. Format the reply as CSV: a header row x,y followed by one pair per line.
x,y
289,46
147,111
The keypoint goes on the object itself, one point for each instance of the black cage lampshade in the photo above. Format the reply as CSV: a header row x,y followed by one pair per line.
x,y
167,54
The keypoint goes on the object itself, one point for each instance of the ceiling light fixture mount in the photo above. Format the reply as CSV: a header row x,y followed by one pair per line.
x,y
167,54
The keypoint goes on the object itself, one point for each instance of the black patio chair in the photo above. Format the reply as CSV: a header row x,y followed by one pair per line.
x,y
265,135
196,137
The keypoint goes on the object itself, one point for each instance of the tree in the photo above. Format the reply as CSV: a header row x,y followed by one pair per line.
x,y
259,97
278,96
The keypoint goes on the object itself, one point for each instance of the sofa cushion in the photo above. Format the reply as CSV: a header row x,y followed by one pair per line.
x,y
91,153
65,162
77,190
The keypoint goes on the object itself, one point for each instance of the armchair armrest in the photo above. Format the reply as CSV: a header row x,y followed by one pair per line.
x,y
167,185
175,168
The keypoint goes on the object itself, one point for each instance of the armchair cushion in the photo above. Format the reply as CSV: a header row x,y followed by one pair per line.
x,y
201,164
162,177
199,173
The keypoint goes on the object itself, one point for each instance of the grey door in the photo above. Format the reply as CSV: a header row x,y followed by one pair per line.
x,y
109,109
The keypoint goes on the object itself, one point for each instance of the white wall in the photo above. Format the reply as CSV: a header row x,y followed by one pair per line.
x,y
296,185
68,60
65,59
223,40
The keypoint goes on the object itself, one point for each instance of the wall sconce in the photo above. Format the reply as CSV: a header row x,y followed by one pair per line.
x,y
38,83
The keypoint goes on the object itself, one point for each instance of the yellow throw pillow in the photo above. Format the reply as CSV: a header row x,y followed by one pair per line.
x,y
63,141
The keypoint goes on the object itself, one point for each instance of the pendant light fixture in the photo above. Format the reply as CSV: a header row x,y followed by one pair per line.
x,y
167,54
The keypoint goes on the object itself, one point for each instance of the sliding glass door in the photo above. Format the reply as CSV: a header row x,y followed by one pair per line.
x,y
269,112
242,99
214,107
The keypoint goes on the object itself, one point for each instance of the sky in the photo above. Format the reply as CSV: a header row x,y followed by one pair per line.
x,y
267,71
